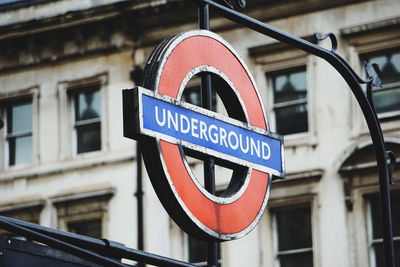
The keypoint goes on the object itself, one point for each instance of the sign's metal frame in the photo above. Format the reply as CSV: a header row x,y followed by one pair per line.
x,y
105,252
196,209
140,92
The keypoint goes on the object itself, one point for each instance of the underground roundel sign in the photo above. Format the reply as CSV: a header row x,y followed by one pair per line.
x,y
169,129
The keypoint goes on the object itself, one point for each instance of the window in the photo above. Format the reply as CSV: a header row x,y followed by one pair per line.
x,y
387,99
377,42
189,249
82,117
286,83
192,93
18,127
84,210
91,228
290,101
294,246
197,251
27,209
87,118
375,229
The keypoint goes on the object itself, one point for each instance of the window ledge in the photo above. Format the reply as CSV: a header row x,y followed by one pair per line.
x,y
25,202
371,27
369,37
39,170
84,192
300,139
346,170
303,176
387,126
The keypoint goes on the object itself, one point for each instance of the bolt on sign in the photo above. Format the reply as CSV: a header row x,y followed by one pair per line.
x,y
169,128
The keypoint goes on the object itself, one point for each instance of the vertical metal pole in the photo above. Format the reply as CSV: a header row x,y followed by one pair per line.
x,y
206,102
384,190
139,197
136,78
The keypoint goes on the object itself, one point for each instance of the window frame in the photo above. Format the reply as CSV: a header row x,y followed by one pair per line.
x,y
27,209
6,100
15,135
302,138
68,136
270,77
291,196
360,179
180,245
86,220
194,85
368,39
202,263
72,94
371,240
273,58
84,204
277,252
390,115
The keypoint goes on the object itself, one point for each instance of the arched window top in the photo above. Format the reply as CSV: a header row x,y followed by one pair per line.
x,y
361,155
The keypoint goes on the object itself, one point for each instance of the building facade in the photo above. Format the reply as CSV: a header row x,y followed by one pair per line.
x,y
65,164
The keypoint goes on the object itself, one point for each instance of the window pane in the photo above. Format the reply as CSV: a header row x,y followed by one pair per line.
x,y
296,260
87,228
389,64
387,100
290,86
380,253
19,121
88,137
87,105
192,96
19,150
294,228
19,118
197,250
292,119
377,217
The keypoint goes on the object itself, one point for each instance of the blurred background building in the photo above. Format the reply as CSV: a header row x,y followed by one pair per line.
x,y
65,164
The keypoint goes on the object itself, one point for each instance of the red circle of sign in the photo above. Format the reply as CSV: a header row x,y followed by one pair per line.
x,y
235,217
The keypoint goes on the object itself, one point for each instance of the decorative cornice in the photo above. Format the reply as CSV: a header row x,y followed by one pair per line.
x,y
26,202
275,47
103,190
302,176
371,27
64,167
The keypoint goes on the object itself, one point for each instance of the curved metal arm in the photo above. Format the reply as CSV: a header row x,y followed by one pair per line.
x,y
353,80
331,36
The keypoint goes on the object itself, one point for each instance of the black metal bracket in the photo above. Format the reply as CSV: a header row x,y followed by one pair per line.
x,y
391,166
331,36
354,81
